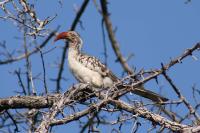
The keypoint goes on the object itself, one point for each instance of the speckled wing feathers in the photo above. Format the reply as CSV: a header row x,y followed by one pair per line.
x,y
94,64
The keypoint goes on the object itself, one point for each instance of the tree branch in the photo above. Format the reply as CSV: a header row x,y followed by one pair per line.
x,y
144,113
14,59
113,40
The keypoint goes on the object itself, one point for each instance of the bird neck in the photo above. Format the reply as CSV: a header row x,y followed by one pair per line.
x,y
73,53
74,49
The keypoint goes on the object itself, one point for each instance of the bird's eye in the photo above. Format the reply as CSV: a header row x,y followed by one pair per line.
x,y
72,37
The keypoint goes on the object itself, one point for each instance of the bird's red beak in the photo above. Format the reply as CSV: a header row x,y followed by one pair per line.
x,y
62,35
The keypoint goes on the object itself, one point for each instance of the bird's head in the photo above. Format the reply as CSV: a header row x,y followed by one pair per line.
x,y
72,37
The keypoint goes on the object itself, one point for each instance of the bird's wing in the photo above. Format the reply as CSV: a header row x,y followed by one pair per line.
x,y
95,64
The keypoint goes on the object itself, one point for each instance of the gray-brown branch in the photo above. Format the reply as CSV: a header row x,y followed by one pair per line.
x,y
113,40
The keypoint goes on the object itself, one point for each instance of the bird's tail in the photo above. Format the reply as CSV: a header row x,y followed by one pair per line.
x,y
141,91
149,94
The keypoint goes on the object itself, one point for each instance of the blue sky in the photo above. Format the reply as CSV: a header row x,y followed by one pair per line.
x,y
154,31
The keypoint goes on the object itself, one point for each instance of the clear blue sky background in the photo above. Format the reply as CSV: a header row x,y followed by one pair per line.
x,y
154,31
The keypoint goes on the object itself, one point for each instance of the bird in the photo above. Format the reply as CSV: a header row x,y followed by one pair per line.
x,y
89,70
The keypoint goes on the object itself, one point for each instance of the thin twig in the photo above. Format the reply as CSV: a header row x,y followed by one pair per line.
x,y
29,68
44,72
14,59
178,92
18,73
14,121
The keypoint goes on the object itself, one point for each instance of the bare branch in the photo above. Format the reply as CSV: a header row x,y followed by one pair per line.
x,y
155,118
77,115
14,59
178,92
112,38
44,72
